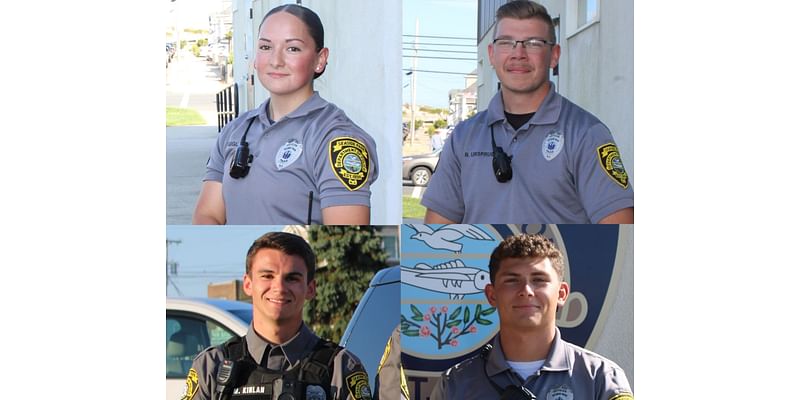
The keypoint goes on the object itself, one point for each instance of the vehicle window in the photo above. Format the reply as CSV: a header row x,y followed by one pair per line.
x,y
187,336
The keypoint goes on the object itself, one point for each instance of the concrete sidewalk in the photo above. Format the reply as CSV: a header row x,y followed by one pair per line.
x,y
188,148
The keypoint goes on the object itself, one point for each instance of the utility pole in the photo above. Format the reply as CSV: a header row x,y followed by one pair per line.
x,y
169,242
414,82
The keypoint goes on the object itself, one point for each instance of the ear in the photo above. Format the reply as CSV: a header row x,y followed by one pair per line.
x,y
488,291
248,285
312,289
322,60
555,56
491,54
563,293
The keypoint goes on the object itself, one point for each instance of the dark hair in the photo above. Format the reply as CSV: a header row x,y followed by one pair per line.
x,y
526,245
287,243
312,21
524,9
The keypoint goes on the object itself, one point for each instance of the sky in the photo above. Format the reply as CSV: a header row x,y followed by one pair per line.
x,y
209,254
452,18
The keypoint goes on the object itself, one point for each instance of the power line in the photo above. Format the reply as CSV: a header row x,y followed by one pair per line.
x,y
443,58
442,51
443,44
442,37
440,72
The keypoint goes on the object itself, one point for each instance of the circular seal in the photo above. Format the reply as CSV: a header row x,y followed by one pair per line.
x,y
352,163
314,392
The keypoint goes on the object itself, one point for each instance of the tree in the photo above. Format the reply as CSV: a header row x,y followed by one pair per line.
x,y
439,123
347,258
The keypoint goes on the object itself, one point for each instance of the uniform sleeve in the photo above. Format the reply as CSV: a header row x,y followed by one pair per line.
x,y
601,179
390,384
616,386
350,380
215,166
345,166
444,194
201,382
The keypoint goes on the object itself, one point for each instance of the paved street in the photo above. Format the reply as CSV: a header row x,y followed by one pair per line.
x,y
191,83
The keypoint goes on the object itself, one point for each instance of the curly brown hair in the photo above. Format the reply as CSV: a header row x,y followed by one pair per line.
x,y
526,245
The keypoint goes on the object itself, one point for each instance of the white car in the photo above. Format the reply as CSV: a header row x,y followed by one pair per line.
x,y
192,326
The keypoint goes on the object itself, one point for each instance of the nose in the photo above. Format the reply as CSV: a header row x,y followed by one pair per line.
x,y
519,50
277,284
527,289
277,58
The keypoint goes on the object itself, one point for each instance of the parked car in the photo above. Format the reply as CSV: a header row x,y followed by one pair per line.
x,y
374,320
419,168
195,324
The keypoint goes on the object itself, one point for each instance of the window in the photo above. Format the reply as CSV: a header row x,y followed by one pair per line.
x,y
581,14
186,336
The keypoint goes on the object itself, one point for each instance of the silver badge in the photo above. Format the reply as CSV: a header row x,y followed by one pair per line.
x,y
314,392
288,153
552,145
562,392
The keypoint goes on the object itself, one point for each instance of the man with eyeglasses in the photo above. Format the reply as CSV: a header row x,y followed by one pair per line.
x,y
532,156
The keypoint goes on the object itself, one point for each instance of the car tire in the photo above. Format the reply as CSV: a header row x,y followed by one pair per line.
x,y
420,176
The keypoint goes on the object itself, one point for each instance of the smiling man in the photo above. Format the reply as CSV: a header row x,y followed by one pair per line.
x,y
532,156
279,357
528,357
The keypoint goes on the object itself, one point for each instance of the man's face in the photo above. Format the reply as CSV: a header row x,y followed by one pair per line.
x,y
521,71
527,292
277,284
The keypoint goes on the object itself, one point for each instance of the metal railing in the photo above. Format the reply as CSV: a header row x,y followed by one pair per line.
x,y
227,105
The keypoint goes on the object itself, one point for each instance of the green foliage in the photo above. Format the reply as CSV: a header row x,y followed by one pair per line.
x,y
350,256
183,44
412,208
202,42
439,123
196,50
431,129
229,35
417,124
432,110
183,116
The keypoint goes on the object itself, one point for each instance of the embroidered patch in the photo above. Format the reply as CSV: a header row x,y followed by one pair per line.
x,y
611,162
358,386
288,153
191,385
552,145
622,396
350,162
314,392
562,392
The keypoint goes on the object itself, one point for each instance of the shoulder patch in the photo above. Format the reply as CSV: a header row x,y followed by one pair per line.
x,y
350,161
622,396
610,161
191,385
358,386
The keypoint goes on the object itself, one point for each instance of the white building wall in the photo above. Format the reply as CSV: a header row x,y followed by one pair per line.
x,y
363,78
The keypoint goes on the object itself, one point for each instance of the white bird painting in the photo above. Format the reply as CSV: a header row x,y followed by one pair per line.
x,y
445,238
452,278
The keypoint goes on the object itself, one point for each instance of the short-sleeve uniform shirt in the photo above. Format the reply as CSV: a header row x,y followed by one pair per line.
x,y
566,168
569,372
315,155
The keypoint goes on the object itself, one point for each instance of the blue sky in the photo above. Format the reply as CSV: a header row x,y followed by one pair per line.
x,y
454,18
209,254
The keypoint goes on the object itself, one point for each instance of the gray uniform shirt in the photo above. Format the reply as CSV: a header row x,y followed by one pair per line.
x,y
348,378
566,168
315,148
569,372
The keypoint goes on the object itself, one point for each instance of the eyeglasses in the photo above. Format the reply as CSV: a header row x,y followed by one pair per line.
x,y
530,45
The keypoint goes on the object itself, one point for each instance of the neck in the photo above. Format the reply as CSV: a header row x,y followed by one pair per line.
x,y
526,345
281,105
277,334
524,103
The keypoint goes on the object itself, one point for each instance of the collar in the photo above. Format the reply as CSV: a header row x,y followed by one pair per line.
x,y
313,103
547,113
556,360
293,350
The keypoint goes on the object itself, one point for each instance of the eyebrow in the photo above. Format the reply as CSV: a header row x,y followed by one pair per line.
x,y
292,274
287,40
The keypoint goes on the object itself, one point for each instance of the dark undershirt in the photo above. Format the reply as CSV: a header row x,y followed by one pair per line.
x,y
517,120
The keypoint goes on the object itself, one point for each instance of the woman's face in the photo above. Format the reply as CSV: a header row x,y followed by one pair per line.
x,y
286,56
